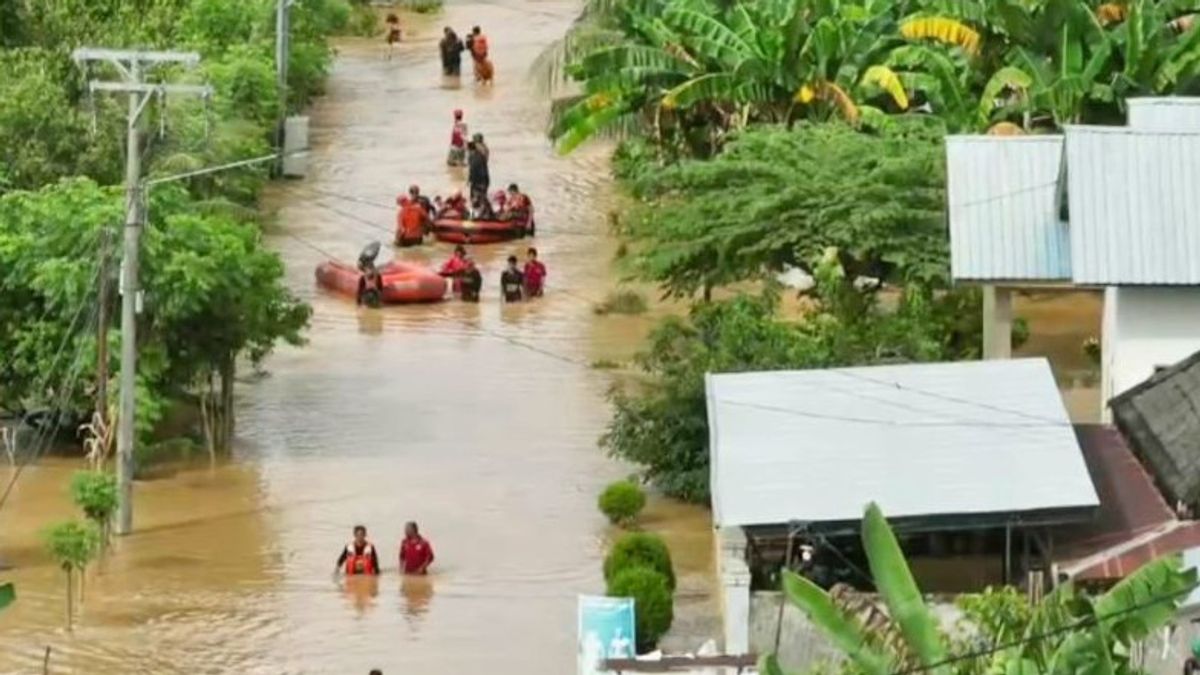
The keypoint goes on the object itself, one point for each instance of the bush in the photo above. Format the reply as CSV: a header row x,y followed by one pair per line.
x,y
639,549
653,603
422,6
621,302
1020,332
95,493
72,544
363,21
622,501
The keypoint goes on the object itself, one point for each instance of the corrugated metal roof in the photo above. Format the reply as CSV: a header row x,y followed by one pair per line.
x,y
1002,194
1133,206
1164,113
972,437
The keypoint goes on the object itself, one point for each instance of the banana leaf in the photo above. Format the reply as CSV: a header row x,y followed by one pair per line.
x,y
899,590
844,630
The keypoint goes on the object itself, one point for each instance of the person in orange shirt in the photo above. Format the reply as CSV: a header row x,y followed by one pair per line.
x,y
413,220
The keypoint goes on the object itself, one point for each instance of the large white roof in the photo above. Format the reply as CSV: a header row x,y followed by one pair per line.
x,y
972,437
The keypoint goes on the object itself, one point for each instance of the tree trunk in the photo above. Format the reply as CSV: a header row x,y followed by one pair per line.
x,y
70,601
228,372
206,420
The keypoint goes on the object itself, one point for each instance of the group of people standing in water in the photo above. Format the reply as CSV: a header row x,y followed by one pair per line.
x,y
516,283
360,557
476,44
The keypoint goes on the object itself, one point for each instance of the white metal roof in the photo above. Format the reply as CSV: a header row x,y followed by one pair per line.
x,y
1004,217
972,437
1164,113
1133,206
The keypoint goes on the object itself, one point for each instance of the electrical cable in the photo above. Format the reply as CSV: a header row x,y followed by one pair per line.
x,y
1005,195
890,423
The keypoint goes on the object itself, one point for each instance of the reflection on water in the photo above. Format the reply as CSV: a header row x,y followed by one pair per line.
x,y
361,591
415,595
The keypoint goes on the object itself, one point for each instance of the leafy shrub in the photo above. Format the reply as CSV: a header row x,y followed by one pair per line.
x,y
652,602
148,455
422,6
622,501
1020,332
72,544
604,364
363,21
639,549
95,493
621,302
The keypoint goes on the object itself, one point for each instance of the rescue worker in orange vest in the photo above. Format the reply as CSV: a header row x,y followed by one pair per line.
x,y
477,42
455,207
413,220
359,555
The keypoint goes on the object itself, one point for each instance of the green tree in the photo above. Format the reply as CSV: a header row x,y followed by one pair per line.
x,y
775,198
95,493
1068,632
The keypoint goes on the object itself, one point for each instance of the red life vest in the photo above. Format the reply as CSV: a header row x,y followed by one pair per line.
x,y
479,46
360,563
412,220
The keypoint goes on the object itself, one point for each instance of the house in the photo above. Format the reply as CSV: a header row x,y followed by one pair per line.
x,y
1096,207
975,463
1161,419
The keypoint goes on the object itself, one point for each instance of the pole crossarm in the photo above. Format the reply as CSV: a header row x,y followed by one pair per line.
x,y
120,56
151,88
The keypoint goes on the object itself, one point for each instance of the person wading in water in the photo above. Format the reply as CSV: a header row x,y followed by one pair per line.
x,y
359,555
452,48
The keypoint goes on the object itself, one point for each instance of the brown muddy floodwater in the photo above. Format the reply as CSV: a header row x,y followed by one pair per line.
x,y
478,421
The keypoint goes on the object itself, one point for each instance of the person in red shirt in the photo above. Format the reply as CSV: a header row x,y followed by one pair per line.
x,y
535,274
416,555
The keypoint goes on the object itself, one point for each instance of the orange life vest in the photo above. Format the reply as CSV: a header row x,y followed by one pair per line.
x,y
479,46
412,220
360,563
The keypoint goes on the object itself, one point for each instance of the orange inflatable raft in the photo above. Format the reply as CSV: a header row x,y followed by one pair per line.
x,y
458,231
401,283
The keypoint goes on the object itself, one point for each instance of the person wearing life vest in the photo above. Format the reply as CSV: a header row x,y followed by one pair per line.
x,y
454,268
455,207
359,556
478,44
413,220
517,207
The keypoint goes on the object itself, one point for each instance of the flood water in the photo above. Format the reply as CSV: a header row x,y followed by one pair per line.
x,y
478,421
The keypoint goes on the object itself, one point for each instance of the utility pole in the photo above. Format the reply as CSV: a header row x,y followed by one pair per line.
x,y
102,331
283,31
132,67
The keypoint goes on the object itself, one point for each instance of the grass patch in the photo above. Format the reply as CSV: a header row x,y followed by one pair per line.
x,y
622,302
605,364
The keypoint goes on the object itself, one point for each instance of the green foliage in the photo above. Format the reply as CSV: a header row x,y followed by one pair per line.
x,y
146,456
639,549
95,493
776,198
661,423
621,302
214,293
72,544
1068,632
653,602
687,72
423,6
622,501
8,595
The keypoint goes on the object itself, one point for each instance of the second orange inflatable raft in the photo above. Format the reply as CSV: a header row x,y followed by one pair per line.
x,y
401,283
458,231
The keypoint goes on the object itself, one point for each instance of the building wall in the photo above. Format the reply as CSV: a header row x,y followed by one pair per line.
x,y
1145,327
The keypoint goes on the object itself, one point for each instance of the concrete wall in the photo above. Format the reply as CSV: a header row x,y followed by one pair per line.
x,y
734,576
1145,327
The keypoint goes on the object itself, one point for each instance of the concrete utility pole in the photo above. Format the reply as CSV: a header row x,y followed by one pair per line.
x,y
132,66
283,31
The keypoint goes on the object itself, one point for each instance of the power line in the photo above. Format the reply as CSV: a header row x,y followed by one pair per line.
x,y
1005,195
889,423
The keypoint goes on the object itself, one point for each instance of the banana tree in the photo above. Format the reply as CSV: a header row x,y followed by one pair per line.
x,y
770,61
1067,633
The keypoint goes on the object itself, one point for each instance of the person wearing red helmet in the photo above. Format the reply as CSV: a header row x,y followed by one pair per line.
x,y
458,141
